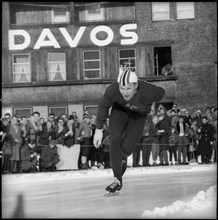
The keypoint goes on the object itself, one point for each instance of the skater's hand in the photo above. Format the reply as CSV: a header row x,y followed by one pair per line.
x,y
98,137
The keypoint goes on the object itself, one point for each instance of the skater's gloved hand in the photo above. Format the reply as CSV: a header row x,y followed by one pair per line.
x,y
98,137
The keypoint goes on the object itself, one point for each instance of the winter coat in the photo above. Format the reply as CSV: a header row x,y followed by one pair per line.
x,y
59,136
46,134
16,134
49,156
164,124
206,136
27,161
153,133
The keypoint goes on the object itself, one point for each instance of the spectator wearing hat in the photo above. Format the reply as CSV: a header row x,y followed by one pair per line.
x,y
84,137
174,118
49,156
28,157
206,140
183,141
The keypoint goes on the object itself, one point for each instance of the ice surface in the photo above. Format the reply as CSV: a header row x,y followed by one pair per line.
x,y
184,191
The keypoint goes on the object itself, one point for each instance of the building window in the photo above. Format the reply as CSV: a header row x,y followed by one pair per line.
x,y
127,58
162,61
24,13
92,109
91,64
21,68
23,112
56,66
105,11
58,111
185,10
160,11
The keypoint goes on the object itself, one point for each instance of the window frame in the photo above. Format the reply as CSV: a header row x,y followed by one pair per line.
x,y
49,78
177,3
24,108
128,57
100,61
67,14
152,12
50,7
91,106
154,72
57,107
13,64
105,18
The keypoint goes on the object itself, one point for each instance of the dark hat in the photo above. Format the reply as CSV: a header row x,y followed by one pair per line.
x,y
71,117
53,141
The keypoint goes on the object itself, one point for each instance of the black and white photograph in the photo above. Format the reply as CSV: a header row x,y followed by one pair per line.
x,y
109,110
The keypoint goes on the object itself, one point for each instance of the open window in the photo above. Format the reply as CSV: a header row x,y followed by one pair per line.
x,y
162,61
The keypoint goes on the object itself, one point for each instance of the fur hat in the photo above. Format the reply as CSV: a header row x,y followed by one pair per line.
x,y
126,76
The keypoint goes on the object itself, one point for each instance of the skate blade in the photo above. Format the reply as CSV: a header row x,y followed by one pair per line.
x,y
109,194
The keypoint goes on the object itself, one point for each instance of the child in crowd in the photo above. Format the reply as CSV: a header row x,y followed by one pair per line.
x,y
49,156
173,140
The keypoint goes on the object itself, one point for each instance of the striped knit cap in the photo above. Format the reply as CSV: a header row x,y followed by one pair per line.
x,y
126,76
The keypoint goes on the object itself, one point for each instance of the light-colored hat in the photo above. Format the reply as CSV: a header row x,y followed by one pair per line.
x,y
126,76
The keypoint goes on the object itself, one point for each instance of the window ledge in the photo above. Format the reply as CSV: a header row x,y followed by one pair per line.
x,y
83,82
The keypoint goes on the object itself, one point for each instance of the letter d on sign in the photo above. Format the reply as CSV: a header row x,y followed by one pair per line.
x,y
11,39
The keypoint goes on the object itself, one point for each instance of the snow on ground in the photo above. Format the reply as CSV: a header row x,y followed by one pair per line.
x,y
202,205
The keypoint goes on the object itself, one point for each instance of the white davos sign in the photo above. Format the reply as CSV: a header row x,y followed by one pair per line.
x,y
47,39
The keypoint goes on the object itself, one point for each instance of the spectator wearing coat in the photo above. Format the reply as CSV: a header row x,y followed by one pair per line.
x,y
49,157
153,130
60,131
34,128
206,140
163,131
69,139
85,141
7,152
173,139
146,144
183,141
48,133
28,157
15,132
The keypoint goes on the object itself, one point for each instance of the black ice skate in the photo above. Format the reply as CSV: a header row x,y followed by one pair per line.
x,y
114,188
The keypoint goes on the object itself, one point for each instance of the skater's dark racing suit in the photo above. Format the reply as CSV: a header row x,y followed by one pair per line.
x,y
127,119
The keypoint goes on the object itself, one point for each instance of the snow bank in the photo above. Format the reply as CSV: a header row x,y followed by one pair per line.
x,y
202,206
77,174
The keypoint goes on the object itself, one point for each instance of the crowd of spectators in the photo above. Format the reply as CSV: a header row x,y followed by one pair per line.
x,y
169,137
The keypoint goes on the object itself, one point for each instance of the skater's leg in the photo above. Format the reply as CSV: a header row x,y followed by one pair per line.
x,y
117,124
132,135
